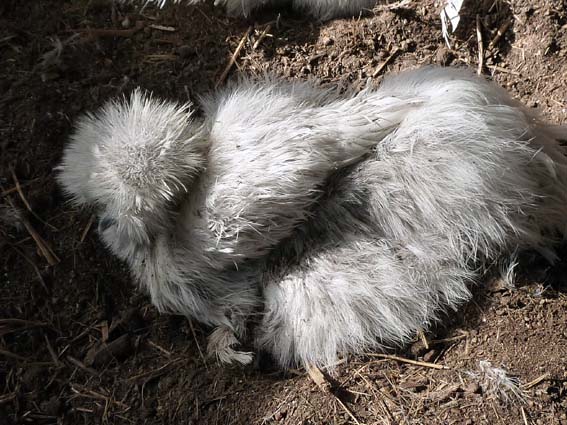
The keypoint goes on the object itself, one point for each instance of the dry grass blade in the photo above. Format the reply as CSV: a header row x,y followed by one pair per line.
x,y
83,391
82,366
348,412
404,360
155,373
87,228
536,381
42,245
197,342
11,355
34,266
450,339
111,32
19,190
15,188
393,6
524,417
162,28
7,398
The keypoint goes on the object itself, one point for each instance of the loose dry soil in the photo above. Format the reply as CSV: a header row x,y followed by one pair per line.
x,y
79,344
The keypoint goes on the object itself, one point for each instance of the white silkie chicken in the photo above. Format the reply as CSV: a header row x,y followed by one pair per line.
x,y
320,9
345,223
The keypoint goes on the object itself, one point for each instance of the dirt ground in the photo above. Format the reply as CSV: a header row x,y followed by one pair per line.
x,y
78,342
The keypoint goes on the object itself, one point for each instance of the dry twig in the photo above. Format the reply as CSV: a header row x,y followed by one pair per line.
x,y
423,338
383,65
261,37
317,376
499,33
480,46
233,57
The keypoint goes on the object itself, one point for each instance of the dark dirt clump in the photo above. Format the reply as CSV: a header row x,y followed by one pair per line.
x,y
79,344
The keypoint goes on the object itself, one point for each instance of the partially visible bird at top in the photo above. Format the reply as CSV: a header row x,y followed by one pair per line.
x,y
320,9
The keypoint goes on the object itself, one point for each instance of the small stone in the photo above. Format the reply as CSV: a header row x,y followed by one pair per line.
x,y
185,51
417,385
102,354
444,56
430,356
327,41
473,388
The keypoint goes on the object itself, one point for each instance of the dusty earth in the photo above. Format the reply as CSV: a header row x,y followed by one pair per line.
x,y
79,344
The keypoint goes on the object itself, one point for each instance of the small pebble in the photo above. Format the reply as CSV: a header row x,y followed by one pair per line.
x,y
185,51
444,56
327,41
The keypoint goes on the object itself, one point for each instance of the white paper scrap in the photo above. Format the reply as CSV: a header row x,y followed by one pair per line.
x,y
450,15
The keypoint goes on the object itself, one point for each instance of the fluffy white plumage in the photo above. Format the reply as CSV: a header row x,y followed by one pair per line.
x,y
321,9
348,221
